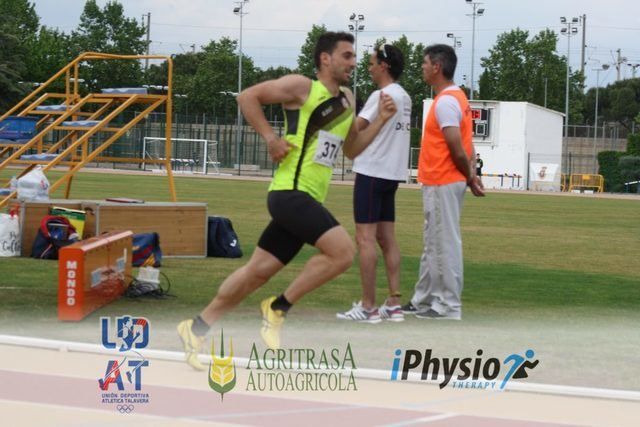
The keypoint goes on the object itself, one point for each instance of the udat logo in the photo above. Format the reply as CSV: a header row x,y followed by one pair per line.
x,y
222,370
467,372
131,333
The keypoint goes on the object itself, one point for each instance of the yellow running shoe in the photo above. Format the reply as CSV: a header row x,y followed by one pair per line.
x,y
271,323
192,344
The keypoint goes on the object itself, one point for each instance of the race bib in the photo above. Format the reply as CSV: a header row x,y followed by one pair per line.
x,y
327,149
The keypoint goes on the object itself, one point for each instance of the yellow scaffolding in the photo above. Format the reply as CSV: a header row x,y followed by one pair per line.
x,y
73,149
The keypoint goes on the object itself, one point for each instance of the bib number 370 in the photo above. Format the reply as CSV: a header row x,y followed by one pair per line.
x,y
327,149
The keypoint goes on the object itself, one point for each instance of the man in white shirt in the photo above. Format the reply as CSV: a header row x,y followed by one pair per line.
x,y
379,169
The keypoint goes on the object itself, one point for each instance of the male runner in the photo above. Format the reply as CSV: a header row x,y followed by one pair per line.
x,y
319,118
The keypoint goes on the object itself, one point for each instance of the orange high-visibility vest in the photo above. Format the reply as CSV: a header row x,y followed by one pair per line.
x,y
435,166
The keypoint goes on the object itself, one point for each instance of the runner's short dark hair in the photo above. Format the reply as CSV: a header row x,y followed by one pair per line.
x,y
393,57
444,55
327,42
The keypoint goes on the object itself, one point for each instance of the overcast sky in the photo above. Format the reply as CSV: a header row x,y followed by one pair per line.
x,y
274,30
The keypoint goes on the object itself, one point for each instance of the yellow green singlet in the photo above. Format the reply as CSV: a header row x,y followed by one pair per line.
x,y
317,130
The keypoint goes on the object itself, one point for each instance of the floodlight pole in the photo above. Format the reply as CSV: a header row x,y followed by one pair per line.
x,y
456,40
239,10
473,15
146,60
595,120
566,98
570,28
356,28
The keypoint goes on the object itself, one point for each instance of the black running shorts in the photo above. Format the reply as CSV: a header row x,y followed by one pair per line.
x,y
374,199
296,219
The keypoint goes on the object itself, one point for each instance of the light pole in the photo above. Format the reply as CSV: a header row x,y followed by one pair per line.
x,y
456,40
595,120
476,12
570,28
239,10
226,93
148,29
356,27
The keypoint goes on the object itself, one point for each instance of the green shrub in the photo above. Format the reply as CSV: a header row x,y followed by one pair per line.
x,y
608,162
633,144
630,170
416,136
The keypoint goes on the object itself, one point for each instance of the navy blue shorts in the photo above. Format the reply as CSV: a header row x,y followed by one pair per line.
x,y
374,199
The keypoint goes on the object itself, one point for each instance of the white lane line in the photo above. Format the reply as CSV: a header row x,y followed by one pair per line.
x,y
422,420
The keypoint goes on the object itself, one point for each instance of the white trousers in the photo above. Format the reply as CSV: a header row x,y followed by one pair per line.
x,y
440,281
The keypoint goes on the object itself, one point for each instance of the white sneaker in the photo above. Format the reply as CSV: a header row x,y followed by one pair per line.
x,y
391,313
359,314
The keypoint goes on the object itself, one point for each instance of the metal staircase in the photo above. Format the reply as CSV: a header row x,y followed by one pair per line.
x,y
66,134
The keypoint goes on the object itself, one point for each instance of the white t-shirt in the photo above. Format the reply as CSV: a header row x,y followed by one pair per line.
x,y
448,111
388,155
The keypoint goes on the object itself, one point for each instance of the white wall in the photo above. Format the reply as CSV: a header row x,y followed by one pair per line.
x,y
503,152
544,131
544,143
517,128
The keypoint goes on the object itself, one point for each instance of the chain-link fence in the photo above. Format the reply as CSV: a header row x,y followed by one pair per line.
x,y
607,131
245,153
580,150
236,153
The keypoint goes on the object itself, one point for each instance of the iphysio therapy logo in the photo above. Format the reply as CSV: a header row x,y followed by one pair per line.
x,y
132,333
467,372
222,370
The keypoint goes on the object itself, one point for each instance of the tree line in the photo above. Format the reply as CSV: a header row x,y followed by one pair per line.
x,y
519,67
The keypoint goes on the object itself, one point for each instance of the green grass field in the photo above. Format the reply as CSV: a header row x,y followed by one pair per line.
x,y
521,251
567,266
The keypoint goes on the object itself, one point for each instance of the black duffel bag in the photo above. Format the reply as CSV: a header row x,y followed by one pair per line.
x,y
222,240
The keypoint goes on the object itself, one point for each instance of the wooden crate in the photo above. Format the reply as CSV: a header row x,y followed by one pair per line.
x,y
182,226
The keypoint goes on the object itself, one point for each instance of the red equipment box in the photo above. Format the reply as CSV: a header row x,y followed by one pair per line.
x,y
92,273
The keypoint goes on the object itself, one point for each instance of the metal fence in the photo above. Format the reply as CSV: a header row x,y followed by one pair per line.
x,y
237,152
582,156
243,152
606,131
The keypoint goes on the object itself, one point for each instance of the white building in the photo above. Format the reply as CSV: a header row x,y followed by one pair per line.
x,y
516,140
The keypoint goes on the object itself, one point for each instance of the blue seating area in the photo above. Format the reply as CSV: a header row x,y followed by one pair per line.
x,y
39,157
81,123
126,91
16,129
59,107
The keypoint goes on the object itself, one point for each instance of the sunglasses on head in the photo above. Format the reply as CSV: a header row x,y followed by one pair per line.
x,y
383,51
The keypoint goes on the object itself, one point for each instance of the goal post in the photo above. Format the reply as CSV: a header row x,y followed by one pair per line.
x,y
195,155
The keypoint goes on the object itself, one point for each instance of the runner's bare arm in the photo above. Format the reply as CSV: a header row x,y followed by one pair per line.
x,y
359,137
291,91
361,124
